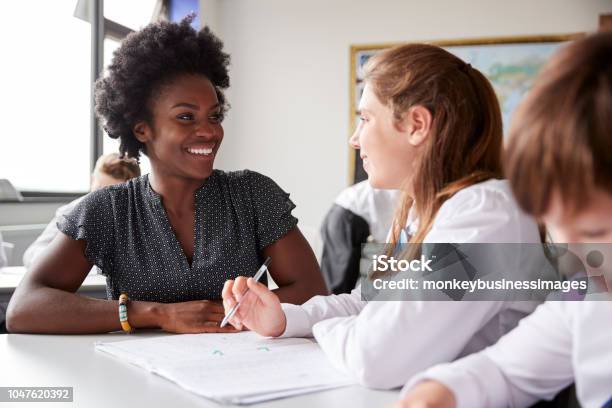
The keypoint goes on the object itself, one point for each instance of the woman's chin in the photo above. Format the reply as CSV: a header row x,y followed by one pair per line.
x,y
200,173
379,184
374,182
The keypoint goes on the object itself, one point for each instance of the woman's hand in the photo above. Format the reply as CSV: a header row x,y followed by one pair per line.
x,y
428,394
260,310
199,316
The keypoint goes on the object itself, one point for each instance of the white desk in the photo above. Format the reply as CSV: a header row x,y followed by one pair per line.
x,y
100,380
10,276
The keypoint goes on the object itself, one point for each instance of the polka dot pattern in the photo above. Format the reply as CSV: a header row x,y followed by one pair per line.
x,y
129,236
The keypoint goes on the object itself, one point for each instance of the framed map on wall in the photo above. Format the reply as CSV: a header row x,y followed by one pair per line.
x,y
510,63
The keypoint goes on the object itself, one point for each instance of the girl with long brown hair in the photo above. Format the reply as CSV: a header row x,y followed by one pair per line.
x,y
431,126
559,163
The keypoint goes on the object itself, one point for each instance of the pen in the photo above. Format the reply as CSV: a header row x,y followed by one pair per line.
x,y
257,276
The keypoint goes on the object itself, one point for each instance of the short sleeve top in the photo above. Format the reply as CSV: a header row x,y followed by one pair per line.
x,y
129,237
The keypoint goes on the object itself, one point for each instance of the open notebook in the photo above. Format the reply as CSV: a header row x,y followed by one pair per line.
x,y
241,368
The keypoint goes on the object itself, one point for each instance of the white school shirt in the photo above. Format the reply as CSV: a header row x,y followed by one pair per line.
x,y
373,205
382,344
560,343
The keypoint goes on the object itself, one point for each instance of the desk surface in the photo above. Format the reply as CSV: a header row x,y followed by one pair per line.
x,y
10,277
100,380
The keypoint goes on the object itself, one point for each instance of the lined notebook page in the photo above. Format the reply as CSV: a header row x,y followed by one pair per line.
x,y
235,368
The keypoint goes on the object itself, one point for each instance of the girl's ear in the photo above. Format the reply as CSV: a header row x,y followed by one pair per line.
x,y
142,132
415,124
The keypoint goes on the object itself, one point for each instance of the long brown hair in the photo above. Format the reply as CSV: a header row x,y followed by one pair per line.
x,y
560,140
464,146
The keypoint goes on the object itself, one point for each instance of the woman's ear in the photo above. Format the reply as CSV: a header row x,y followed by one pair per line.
x,y
142,132
415,124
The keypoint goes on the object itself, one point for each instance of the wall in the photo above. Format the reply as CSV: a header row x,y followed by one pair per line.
x,y
290,63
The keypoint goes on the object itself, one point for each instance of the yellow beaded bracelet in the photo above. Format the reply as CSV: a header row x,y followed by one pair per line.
x,y
123,317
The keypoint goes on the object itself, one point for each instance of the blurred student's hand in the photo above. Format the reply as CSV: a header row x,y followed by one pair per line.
x,y
428,394
260,310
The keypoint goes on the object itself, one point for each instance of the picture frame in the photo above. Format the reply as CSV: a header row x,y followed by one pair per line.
x,y
510,63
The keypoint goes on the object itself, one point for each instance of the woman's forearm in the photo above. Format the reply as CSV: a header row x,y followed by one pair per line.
x,y
295,269
43,309
301,291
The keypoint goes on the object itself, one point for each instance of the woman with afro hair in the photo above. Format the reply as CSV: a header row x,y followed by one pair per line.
x,y
169,239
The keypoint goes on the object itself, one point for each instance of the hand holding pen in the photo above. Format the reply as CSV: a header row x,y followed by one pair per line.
x,y
259,310
262,269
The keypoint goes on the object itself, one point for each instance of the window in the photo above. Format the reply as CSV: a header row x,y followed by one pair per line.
x,y
45,98
46,136
131,14
121,17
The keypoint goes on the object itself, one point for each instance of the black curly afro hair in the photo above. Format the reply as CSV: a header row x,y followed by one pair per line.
x,y
147,60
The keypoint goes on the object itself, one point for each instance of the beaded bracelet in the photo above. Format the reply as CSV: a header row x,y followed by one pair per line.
x,y
123,317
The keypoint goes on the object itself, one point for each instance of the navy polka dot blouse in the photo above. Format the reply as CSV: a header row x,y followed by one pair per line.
x,y
129,236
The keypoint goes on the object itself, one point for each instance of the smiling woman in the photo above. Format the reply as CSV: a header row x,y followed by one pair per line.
x,y
187,131
169,239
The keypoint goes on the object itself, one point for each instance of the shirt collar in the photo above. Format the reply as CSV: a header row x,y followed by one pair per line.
x,y
155,197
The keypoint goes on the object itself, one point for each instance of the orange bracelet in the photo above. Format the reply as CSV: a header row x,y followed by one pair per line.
x,y
123,318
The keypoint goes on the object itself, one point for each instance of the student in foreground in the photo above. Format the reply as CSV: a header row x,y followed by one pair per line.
x,y
169,239
560,168
110,169
430,126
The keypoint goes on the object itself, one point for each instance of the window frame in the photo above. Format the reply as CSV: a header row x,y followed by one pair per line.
x,y
101,28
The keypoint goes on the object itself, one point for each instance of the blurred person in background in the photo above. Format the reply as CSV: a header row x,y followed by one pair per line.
x,y
110,169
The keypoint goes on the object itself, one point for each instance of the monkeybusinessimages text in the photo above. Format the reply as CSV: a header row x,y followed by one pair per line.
x,y
385,263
